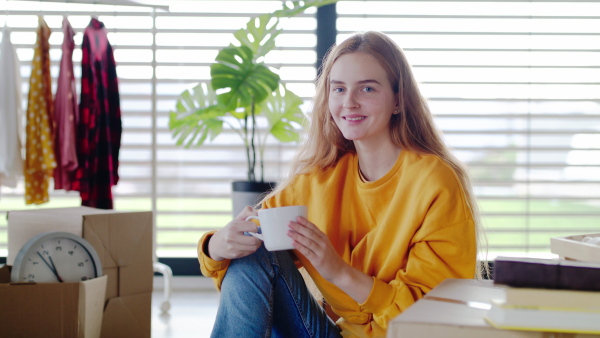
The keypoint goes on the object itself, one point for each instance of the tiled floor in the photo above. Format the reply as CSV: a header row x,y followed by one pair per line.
x,y
194,305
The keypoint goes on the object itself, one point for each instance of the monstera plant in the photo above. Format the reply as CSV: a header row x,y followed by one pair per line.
x,y
243,89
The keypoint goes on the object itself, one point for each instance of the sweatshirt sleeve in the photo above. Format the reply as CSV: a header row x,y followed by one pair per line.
x,y
209,267
445,253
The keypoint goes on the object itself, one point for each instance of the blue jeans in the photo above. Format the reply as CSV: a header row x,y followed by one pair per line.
x,y
264,295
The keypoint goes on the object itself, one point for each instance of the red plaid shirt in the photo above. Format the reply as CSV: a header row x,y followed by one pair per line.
x,y
99,128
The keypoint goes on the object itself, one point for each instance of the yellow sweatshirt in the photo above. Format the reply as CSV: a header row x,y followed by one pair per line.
x,y
409,230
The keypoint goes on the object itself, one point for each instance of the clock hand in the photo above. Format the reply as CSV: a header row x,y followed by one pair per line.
x,y
50,267
55,270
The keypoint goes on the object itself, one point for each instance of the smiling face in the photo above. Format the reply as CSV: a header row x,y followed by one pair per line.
x,y
361,100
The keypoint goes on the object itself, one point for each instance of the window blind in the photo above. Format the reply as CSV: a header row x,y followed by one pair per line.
x,y
515,87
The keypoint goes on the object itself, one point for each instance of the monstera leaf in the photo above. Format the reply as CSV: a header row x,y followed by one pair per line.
x,y
197,116
246,82
284,115
259,35
260,32
298,7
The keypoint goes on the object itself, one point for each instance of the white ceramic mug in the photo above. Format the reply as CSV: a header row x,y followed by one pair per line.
x,y
274,226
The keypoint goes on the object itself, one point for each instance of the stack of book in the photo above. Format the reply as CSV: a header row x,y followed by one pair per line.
x,y
547,295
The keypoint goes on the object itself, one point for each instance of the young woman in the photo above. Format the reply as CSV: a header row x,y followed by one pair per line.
x,y
390,210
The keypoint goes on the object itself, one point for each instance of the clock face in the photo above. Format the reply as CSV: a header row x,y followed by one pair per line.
x,y
56,257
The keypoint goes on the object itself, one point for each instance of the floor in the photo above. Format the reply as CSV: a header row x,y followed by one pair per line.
x,y
194,303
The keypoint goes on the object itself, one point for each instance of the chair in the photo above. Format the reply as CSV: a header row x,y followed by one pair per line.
x,y
167,273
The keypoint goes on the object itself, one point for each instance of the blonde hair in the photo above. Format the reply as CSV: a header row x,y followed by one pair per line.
x,y
412,128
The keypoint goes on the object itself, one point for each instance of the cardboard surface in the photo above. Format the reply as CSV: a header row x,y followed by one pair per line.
x,y
124,244
451,310
127,316
123,241
51,309
572,247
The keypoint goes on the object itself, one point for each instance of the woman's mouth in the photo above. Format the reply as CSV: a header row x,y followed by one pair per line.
x,y
358,118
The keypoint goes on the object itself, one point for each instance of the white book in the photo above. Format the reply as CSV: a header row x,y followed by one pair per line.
x,y
539,318
552,298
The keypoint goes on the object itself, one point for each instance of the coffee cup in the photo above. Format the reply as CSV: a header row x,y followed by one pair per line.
x,y
274,226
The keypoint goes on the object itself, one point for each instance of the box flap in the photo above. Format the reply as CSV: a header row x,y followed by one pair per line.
x,y
91,306
124,243
120,239
128,316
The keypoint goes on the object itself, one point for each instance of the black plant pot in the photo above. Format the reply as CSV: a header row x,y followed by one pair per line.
x,y
248,193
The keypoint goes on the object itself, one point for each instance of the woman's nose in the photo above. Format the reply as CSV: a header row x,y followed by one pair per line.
x,y
350,101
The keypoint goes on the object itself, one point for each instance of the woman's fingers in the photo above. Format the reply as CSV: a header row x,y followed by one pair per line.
x,y
247,211
231,242
307,237
311,242
304,240
241,248
306,228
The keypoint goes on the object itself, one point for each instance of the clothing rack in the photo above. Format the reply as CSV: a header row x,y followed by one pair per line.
x,y
111,3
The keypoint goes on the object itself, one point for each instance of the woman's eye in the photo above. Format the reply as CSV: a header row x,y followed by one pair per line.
x,y
368,89
338,90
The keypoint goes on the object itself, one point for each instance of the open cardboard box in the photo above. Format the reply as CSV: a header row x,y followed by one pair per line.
x,y
123,241
51,309
572,248
456,309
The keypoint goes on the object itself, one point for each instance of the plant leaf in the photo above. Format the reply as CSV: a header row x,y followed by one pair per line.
x,y
197,116
284,116
245,80
259,34
299,7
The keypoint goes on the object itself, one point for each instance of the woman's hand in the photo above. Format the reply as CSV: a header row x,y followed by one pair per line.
x,y
230,242
317,248
311,242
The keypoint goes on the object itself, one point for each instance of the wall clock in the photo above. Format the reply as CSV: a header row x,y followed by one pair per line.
x,y
56,256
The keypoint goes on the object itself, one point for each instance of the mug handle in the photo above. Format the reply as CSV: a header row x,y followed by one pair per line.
x,y
255,234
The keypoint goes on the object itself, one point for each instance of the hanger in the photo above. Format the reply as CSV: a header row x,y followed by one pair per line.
x,y
66,11
95,14
4,23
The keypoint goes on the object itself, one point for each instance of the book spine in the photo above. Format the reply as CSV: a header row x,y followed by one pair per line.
x,y
552,298
526,274
548,275
552,308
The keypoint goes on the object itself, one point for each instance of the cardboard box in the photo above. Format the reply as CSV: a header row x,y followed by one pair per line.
x,y
51,309
123,241
456,309
572,248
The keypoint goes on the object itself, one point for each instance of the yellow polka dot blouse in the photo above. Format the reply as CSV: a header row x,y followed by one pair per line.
x,y
39,158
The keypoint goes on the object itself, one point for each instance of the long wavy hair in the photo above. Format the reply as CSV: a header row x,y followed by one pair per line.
x,y
412,128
